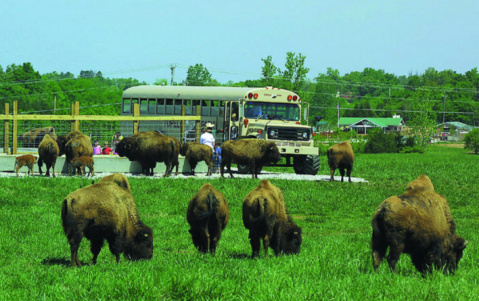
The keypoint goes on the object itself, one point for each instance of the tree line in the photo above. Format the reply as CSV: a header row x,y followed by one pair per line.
x,y
433,95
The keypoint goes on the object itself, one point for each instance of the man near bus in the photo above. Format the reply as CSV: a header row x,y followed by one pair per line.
x,y
207,137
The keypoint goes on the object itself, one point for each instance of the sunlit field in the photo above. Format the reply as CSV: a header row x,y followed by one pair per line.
x,y
334,263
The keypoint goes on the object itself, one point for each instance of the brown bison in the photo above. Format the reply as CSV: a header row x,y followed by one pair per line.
x,y
77,145
195,152
48,152
266,217
33,137
207,215
27,160
252,152
82,162
106,210
418,223
148,148
119,179
341,156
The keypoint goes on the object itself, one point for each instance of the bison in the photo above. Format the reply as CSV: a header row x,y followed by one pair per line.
x,y
27,160
207,215
33,137
266,217
106,210
77,145
341,156
252,152
82,162
195,152
148,148
418,223
48,152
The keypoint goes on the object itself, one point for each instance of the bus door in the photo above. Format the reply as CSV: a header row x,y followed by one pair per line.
x,y
231,124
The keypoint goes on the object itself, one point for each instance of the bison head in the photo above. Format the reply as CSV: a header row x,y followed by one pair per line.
x,y
454,254
290,239
61,141
142,245
183,149
125,148
272,152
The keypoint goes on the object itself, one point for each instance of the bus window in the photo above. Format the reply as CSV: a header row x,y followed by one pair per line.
x,y
143,106
126,105
151,106
234,111
160,106
169,107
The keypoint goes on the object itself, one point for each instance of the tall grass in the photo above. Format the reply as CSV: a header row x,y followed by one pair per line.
x,y
334,263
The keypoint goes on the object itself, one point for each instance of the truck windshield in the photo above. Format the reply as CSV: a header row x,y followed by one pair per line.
x,y
261,110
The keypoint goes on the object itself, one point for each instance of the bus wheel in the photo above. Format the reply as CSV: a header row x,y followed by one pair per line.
x,y
244,169
306,165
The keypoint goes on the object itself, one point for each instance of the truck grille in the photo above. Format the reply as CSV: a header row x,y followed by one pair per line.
x,y
281,133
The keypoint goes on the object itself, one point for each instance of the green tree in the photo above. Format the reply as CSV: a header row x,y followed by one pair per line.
x,y
161,82
471,141
198,75
423,122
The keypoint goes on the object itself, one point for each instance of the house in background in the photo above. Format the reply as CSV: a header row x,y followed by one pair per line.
x,y
362,125
453,130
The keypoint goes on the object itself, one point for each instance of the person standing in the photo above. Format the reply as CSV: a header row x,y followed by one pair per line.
x,y
97,148
106,149
207,137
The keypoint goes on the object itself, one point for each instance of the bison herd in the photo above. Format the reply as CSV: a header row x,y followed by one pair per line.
x,y
418,222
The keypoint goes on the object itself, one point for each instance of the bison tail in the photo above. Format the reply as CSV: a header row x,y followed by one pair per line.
x,y
261,208
67,219
377,224
212,204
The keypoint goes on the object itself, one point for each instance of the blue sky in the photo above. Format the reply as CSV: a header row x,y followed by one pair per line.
x,y
142,39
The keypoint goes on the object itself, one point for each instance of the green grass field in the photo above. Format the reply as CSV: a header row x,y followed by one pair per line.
x,y
334,263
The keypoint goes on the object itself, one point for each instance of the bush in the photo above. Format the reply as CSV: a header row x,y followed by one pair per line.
x,y
471,141
380,142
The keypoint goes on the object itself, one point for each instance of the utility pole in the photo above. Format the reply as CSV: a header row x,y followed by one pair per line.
x,y
54,105
172,73
444,109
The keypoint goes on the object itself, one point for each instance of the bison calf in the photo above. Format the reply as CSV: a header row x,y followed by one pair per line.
x,y
207,215
106,210
195,152
418,223
27,160
79,163
341,156
266,217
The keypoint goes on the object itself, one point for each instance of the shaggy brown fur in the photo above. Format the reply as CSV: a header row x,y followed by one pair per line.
x,y
208,215
33,137
418,223
48,152
252,152
81,163
78,145
119,179
27,160
106,211
341,156
266,217
196,152
148,148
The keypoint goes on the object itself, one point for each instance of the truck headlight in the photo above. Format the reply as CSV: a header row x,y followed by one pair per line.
x,y
305,135
272,133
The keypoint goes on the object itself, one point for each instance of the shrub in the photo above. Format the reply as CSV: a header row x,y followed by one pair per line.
x,y
471,141
380,142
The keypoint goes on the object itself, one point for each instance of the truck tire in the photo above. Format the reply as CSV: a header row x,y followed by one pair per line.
x,y
306,165
244,169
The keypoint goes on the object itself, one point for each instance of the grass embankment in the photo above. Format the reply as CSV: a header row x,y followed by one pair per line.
x,y
335,261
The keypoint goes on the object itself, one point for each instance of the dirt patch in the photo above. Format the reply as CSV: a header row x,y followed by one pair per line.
x,y
455,145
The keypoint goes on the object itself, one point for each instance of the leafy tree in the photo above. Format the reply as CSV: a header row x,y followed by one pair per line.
x,y
161,82
198,75
471,141
423,122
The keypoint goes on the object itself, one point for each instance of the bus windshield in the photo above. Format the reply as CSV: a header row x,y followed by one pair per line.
x,y
261,110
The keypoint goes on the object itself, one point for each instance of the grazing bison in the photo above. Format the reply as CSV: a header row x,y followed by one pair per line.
x,y
266,217
207,215
27,160
418,223
106,210
148,148
195,152
252,152
82,162
77,145
33,137
48,152
341,156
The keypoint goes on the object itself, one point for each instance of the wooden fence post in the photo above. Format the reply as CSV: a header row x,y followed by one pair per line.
x,y
198,123
182,134
15,128
136,113
77,113
6,128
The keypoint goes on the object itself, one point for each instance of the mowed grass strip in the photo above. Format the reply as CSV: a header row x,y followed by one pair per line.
x,y
334,263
